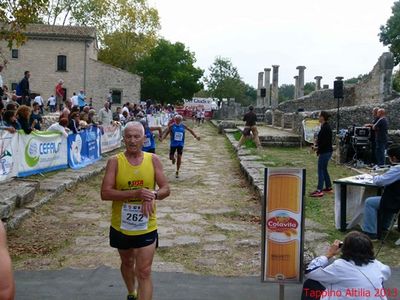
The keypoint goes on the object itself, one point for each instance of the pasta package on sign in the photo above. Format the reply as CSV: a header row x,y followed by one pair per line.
x,y
282,230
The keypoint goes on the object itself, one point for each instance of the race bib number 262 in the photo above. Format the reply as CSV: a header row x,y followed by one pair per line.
x,y
132,218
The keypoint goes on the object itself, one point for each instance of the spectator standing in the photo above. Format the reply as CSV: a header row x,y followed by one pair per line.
x,y
381,136
24,89
74,123
60,93
81,100
23,118
51,102
324,152
39,100
116,114
36,119
91,117
105,114
10,120
375,119
74,100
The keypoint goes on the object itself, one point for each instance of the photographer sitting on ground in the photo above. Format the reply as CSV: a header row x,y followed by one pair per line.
x,y
356,275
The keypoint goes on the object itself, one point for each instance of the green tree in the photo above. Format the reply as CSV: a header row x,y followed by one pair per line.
x,y
168,73
286,92
357,79
309,87
250,95
223,77
396,81
203,93
224,82
108,16
14,16
389,34
124,49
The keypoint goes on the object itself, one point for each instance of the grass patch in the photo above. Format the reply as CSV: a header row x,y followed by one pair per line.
x,y
248,143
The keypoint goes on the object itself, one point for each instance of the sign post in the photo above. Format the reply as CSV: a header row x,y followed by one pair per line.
x,y
283,227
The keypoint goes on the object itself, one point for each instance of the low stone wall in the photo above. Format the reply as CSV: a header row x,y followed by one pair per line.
x,y
230,112
318,100
356,115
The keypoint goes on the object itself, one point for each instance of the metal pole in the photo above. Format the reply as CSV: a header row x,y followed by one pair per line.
x,y
337,116
281,291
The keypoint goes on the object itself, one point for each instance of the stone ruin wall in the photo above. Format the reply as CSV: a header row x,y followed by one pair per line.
x,y
374,89
318,100
349,116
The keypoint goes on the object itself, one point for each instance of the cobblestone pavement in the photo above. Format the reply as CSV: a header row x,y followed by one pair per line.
x,y
209,224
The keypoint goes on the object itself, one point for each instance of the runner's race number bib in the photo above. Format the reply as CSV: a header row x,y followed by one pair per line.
x,y
132,218
178,136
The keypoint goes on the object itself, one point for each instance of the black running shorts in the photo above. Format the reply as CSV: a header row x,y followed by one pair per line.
x,y
172,150
124,242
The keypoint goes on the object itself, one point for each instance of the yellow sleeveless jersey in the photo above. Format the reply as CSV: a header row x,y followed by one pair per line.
x,y
126,215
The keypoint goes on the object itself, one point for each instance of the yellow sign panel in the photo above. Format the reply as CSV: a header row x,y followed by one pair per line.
x,y
283,221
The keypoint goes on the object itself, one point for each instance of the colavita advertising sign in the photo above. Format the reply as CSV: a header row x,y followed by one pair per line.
x,y
283,222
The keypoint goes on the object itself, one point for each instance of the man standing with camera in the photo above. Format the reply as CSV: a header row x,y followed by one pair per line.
x,y
381,136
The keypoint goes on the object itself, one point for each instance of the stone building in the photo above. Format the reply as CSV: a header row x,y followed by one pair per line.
x,y
69,53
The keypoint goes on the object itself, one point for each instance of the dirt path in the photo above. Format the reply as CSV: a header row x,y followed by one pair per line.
x,y
208,225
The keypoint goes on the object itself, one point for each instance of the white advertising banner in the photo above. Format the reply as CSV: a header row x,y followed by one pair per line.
x,y
200,103
111,139
41,151
8,154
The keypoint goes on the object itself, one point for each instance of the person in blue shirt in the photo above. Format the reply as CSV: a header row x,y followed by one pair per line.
x,y
150,143
177,131
389,202
81,100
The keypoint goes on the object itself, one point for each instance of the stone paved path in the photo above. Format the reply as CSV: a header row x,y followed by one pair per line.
x,y
208,225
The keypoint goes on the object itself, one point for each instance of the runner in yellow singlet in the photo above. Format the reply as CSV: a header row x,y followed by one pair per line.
x,y
131,181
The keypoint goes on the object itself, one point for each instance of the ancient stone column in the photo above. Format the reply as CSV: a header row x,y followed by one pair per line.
x,y
267,86
317,82
296,87
301,81
259,87
275,86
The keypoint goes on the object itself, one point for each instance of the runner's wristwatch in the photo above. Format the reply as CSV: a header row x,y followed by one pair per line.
x,y
155,195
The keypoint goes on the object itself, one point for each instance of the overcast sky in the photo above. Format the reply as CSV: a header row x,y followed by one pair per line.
x,y
330,38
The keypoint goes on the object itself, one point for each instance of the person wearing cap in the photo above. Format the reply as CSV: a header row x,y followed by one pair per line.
x,y
250,127
177,131
150,143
